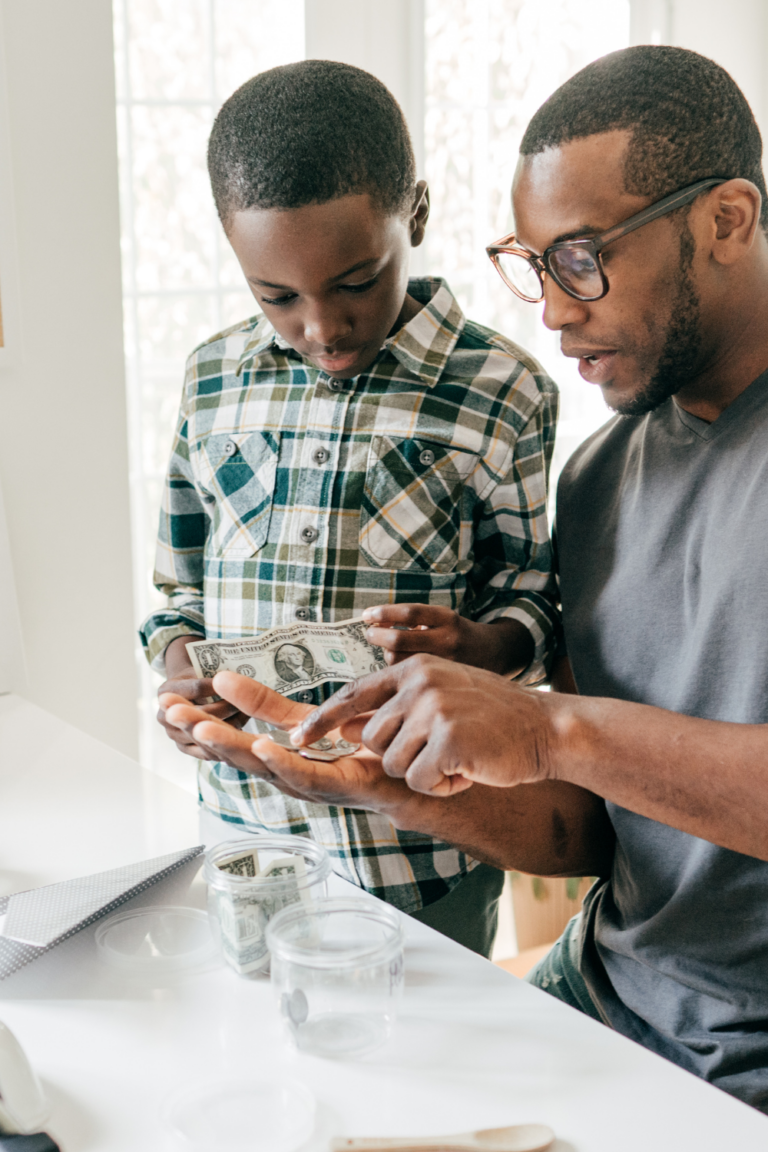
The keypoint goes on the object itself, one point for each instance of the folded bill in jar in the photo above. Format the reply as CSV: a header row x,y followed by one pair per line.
x,y
293,658
244,915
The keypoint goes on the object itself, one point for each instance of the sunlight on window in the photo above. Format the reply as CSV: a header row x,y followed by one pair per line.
x,y
489,65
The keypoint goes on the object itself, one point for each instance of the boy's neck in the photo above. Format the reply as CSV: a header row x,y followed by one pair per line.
x,y
409,309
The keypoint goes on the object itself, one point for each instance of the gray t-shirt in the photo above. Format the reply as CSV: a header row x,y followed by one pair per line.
x,y
663,557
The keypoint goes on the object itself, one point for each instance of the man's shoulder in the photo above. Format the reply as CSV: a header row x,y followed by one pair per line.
x,y
484,357
606,448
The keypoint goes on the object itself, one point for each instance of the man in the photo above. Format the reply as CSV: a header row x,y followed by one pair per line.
x,y
655,778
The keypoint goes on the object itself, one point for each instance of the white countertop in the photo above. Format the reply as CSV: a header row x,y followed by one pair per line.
x,y
473,1048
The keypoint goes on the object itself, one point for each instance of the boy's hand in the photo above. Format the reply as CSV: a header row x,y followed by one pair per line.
x,y
184,682
503,646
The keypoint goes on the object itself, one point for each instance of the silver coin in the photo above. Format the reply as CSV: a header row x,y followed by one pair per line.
x,y
315,754
283,739
324,744
346,747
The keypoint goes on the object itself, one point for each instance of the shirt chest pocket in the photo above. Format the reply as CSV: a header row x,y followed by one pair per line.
x,y
413,504
238,474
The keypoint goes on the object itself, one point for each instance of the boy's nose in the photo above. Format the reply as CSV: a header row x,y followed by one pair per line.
x,y
326,327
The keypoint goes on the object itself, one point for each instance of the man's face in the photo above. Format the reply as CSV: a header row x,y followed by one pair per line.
x,y
642,342
332,278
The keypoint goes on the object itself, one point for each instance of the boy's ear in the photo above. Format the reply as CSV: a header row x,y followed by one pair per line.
x,y
419,213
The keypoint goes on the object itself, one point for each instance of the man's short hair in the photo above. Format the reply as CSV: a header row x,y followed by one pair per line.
x,y
688,119
307,133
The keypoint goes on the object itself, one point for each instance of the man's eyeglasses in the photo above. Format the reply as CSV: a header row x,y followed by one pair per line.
x,y
575,265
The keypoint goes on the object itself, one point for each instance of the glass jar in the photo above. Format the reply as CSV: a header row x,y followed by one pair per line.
x,y
337,974
250,880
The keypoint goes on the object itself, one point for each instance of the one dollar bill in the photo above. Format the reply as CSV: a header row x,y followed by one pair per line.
x,y
243,916
293,658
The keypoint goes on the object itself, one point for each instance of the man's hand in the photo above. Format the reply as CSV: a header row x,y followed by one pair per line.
x,y
547,829
503,646
184,682
442,727
355,781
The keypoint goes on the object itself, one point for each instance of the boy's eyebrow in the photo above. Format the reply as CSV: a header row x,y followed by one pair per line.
x,y
332,279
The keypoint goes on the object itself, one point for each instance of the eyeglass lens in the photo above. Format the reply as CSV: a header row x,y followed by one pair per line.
x,y
520,274
577,271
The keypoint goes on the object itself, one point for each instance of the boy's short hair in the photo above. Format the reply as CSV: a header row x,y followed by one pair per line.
x,y
307,133
687,117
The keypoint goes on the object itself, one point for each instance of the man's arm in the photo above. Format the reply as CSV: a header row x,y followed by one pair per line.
x,y
548,829
443,727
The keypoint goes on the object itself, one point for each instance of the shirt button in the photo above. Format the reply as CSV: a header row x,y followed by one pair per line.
x,y
336,385
302,613
230,448
320,455
309,534
427,457
306,697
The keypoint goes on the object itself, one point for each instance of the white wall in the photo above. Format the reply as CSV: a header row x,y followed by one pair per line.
x,y
63,454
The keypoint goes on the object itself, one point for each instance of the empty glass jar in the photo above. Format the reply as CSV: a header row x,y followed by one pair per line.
x,y
337,973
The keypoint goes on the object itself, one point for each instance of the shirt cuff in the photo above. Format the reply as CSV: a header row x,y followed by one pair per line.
x,y
543,631
161,628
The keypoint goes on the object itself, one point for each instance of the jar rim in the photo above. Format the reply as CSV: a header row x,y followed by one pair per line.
x,y
318,864
309,954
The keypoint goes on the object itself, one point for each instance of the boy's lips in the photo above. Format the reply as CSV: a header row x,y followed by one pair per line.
x,y
337,361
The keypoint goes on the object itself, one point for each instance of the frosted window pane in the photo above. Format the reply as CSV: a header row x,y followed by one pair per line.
x,y
489,65
174,218
168,42
253,37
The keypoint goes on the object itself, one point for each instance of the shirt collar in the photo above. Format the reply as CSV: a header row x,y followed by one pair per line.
x,y
264,337
425,343
422,346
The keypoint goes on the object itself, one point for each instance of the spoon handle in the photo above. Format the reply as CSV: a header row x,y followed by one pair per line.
x,y
401,1144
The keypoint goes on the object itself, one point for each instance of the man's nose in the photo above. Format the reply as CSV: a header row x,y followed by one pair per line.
x,y
326,324
560,309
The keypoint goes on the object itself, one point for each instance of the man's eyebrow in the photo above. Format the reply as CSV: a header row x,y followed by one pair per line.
x,y
332,279
584,233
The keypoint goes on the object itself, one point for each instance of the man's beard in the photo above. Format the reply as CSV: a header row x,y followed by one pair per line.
x,y
679,356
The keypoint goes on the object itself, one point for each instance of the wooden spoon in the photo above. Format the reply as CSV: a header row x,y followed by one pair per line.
x,y
515,1138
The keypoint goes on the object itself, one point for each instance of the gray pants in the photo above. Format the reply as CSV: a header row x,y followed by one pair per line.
x,y
469,913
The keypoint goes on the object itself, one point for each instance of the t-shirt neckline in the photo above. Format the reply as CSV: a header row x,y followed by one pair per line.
x,y
754,394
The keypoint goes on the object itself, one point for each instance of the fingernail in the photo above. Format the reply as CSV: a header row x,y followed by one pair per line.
x,y
295,736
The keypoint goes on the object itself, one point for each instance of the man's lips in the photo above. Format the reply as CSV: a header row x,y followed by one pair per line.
x,y
595,364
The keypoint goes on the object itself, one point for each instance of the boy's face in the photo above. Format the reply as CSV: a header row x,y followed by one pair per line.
x,y
332,278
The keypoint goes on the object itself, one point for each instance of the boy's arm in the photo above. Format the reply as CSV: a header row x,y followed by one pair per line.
x,y
511,600
182,534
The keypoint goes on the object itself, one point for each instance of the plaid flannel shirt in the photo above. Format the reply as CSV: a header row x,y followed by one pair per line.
x,y
294,496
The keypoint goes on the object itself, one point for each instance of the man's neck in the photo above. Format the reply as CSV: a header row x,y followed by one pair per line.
x,y
737,356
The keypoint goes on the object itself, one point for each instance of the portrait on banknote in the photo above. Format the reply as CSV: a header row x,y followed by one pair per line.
x,y
294,662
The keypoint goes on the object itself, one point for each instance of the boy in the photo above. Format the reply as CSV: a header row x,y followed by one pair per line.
x,y
357,447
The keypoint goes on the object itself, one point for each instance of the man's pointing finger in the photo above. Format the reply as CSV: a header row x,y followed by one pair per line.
x,y
364,695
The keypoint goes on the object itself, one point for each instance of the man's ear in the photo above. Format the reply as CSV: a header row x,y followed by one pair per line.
x,y
419,213
735,208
